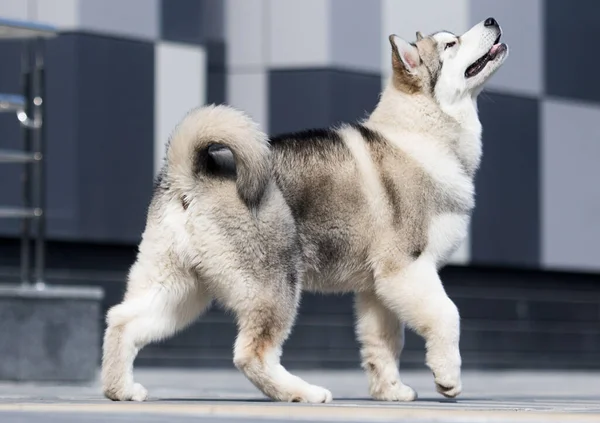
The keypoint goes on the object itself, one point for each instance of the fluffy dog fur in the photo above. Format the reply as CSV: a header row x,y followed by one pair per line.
x,y
373,208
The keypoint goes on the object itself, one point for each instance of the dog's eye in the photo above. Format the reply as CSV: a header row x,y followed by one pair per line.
x,y
450,44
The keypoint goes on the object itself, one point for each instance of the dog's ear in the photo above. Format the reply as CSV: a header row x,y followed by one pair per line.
x,y
419,36
404,54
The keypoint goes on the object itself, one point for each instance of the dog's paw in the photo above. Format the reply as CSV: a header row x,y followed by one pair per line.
x,y
395,392
446,372
135,393
313,394
139,393
450,387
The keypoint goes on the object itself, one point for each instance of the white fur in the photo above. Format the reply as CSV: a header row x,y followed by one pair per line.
x,y
446,232
271,377
381,336
417,295
165,291
434,157
444,137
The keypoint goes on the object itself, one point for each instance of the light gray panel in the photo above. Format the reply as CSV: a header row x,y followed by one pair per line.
x,y
522,23
248,92
61,13
355,33
245,34
14,9
179,85
570,186
136,18
298,33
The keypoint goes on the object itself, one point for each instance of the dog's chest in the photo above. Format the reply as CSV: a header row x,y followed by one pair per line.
x,y
449,221
446,231
453,185
443,167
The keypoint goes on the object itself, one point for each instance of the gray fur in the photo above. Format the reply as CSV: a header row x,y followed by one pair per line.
x,y
373,207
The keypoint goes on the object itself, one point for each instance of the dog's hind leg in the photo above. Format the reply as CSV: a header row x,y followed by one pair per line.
x,y
415,292
264,322
381,336
152,310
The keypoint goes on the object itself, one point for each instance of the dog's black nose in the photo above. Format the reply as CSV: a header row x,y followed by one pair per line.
x,y
490,22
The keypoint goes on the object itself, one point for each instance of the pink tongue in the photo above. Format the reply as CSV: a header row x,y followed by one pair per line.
x,y
494,49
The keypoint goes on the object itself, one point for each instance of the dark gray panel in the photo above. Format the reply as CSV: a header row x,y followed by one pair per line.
x,y
99,126
75,256
180,21
354,95
10,134
212,19
216,90
299,99
192,21
216,55
511,339
571,63
506,226
307,98
60,127
115,94
557,311
63,143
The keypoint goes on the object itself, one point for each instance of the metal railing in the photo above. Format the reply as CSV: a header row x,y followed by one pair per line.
x,y
29,108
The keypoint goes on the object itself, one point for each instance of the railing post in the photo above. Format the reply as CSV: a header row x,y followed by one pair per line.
x,y
29,108
25,172
39,148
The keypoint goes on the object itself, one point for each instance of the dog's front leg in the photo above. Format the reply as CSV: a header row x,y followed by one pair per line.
x,y
381,337
417,295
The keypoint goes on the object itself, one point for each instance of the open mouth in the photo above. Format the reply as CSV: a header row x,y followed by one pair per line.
x,y
480,64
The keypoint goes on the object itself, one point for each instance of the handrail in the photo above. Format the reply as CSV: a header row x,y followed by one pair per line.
x,y
12,103
29,109
18,29
19,213
11,156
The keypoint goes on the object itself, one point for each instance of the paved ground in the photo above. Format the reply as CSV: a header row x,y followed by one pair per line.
x,y
179,396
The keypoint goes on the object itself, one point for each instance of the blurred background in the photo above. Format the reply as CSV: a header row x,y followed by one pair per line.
x,y
122,73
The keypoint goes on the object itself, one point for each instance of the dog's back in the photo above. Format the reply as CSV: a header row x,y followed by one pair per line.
x,y
335,200
373,208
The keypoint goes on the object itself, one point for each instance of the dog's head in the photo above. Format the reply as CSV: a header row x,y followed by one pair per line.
x,y
446,66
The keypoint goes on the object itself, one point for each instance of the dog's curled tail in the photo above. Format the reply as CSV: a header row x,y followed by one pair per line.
x,y
188,150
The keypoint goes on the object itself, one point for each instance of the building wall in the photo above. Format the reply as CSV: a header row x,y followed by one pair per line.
x,y
125,71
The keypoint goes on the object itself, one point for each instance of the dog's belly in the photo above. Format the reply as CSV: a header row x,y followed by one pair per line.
x,y
335,258
338,279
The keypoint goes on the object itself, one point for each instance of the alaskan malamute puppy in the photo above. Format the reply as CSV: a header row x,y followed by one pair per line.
x,y
374,208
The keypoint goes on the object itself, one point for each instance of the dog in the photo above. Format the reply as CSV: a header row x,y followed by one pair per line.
x,y
373,208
